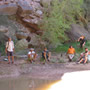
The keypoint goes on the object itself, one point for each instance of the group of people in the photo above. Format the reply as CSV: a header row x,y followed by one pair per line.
x,y
84,57
32,55
45,55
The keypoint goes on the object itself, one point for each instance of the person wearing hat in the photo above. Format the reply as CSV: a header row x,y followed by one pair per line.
x,y
32,55
10,49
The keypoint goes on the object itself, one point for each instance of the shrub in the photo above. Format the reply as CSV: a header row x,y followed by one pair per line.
x,y
58,18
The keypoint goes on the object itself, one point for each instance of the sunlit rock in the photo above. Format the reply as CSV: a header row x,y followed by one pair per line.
x,y
8,9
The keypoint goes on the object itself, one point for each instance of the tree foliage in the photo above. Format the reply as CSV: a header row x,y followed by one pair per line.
x,y
57,19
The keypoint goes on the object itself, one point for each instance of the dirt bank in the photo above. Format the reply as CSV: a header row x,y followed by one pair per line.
x,y
51,71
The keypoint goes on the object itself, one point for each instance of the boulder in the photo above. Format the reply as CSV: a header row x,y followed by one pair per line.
x,y
21,35
31,21
45,3
24,7
13,1
3,29
34,39
76,31
21,45
35,5
30,14
37,1
39,13
3,37
8,9
7,27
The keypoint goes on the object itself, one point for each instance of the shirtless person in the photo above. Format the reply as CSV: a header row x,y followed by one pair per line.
x,y
84,56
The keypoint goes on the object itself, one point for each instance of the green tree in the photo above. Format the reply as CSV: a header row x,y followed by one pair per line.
x,y
57,19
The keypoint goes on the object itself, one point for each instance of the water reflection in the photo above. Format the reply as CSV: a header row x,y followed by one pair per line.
x,y
70,81
24,83
73,81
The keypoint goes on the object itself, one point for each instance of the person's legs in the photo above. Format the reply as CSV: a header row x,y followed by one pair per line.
x,y
8,54
8,59
49,55
12,59
72,56
81,56
69,57
35,55
81,60
82,45
29,58
45,56
11,54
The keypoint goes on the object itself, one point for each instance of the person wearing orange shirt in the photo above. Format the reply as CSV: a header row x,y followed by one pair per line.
x,y
71,53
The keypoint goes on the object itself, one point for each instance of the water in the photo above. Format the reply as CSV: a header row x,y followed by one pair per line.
x,y
24,83
79,80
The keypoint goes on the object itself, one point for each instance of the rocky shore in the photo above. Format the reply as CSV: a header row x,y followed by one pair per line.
x,y
51,71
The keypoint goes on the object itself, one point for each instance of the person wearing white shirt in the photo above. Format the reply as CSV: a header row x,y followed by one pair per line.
x,y
32,55
10,49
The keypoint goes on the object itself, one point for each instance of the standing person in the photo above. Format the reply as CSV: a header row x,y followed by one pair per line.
x,y
71,53
32,55
46,54
10,49
82,41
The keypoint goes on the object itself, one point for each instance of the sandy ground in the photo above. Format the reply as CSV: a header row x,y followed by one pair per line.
x,y
51,71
